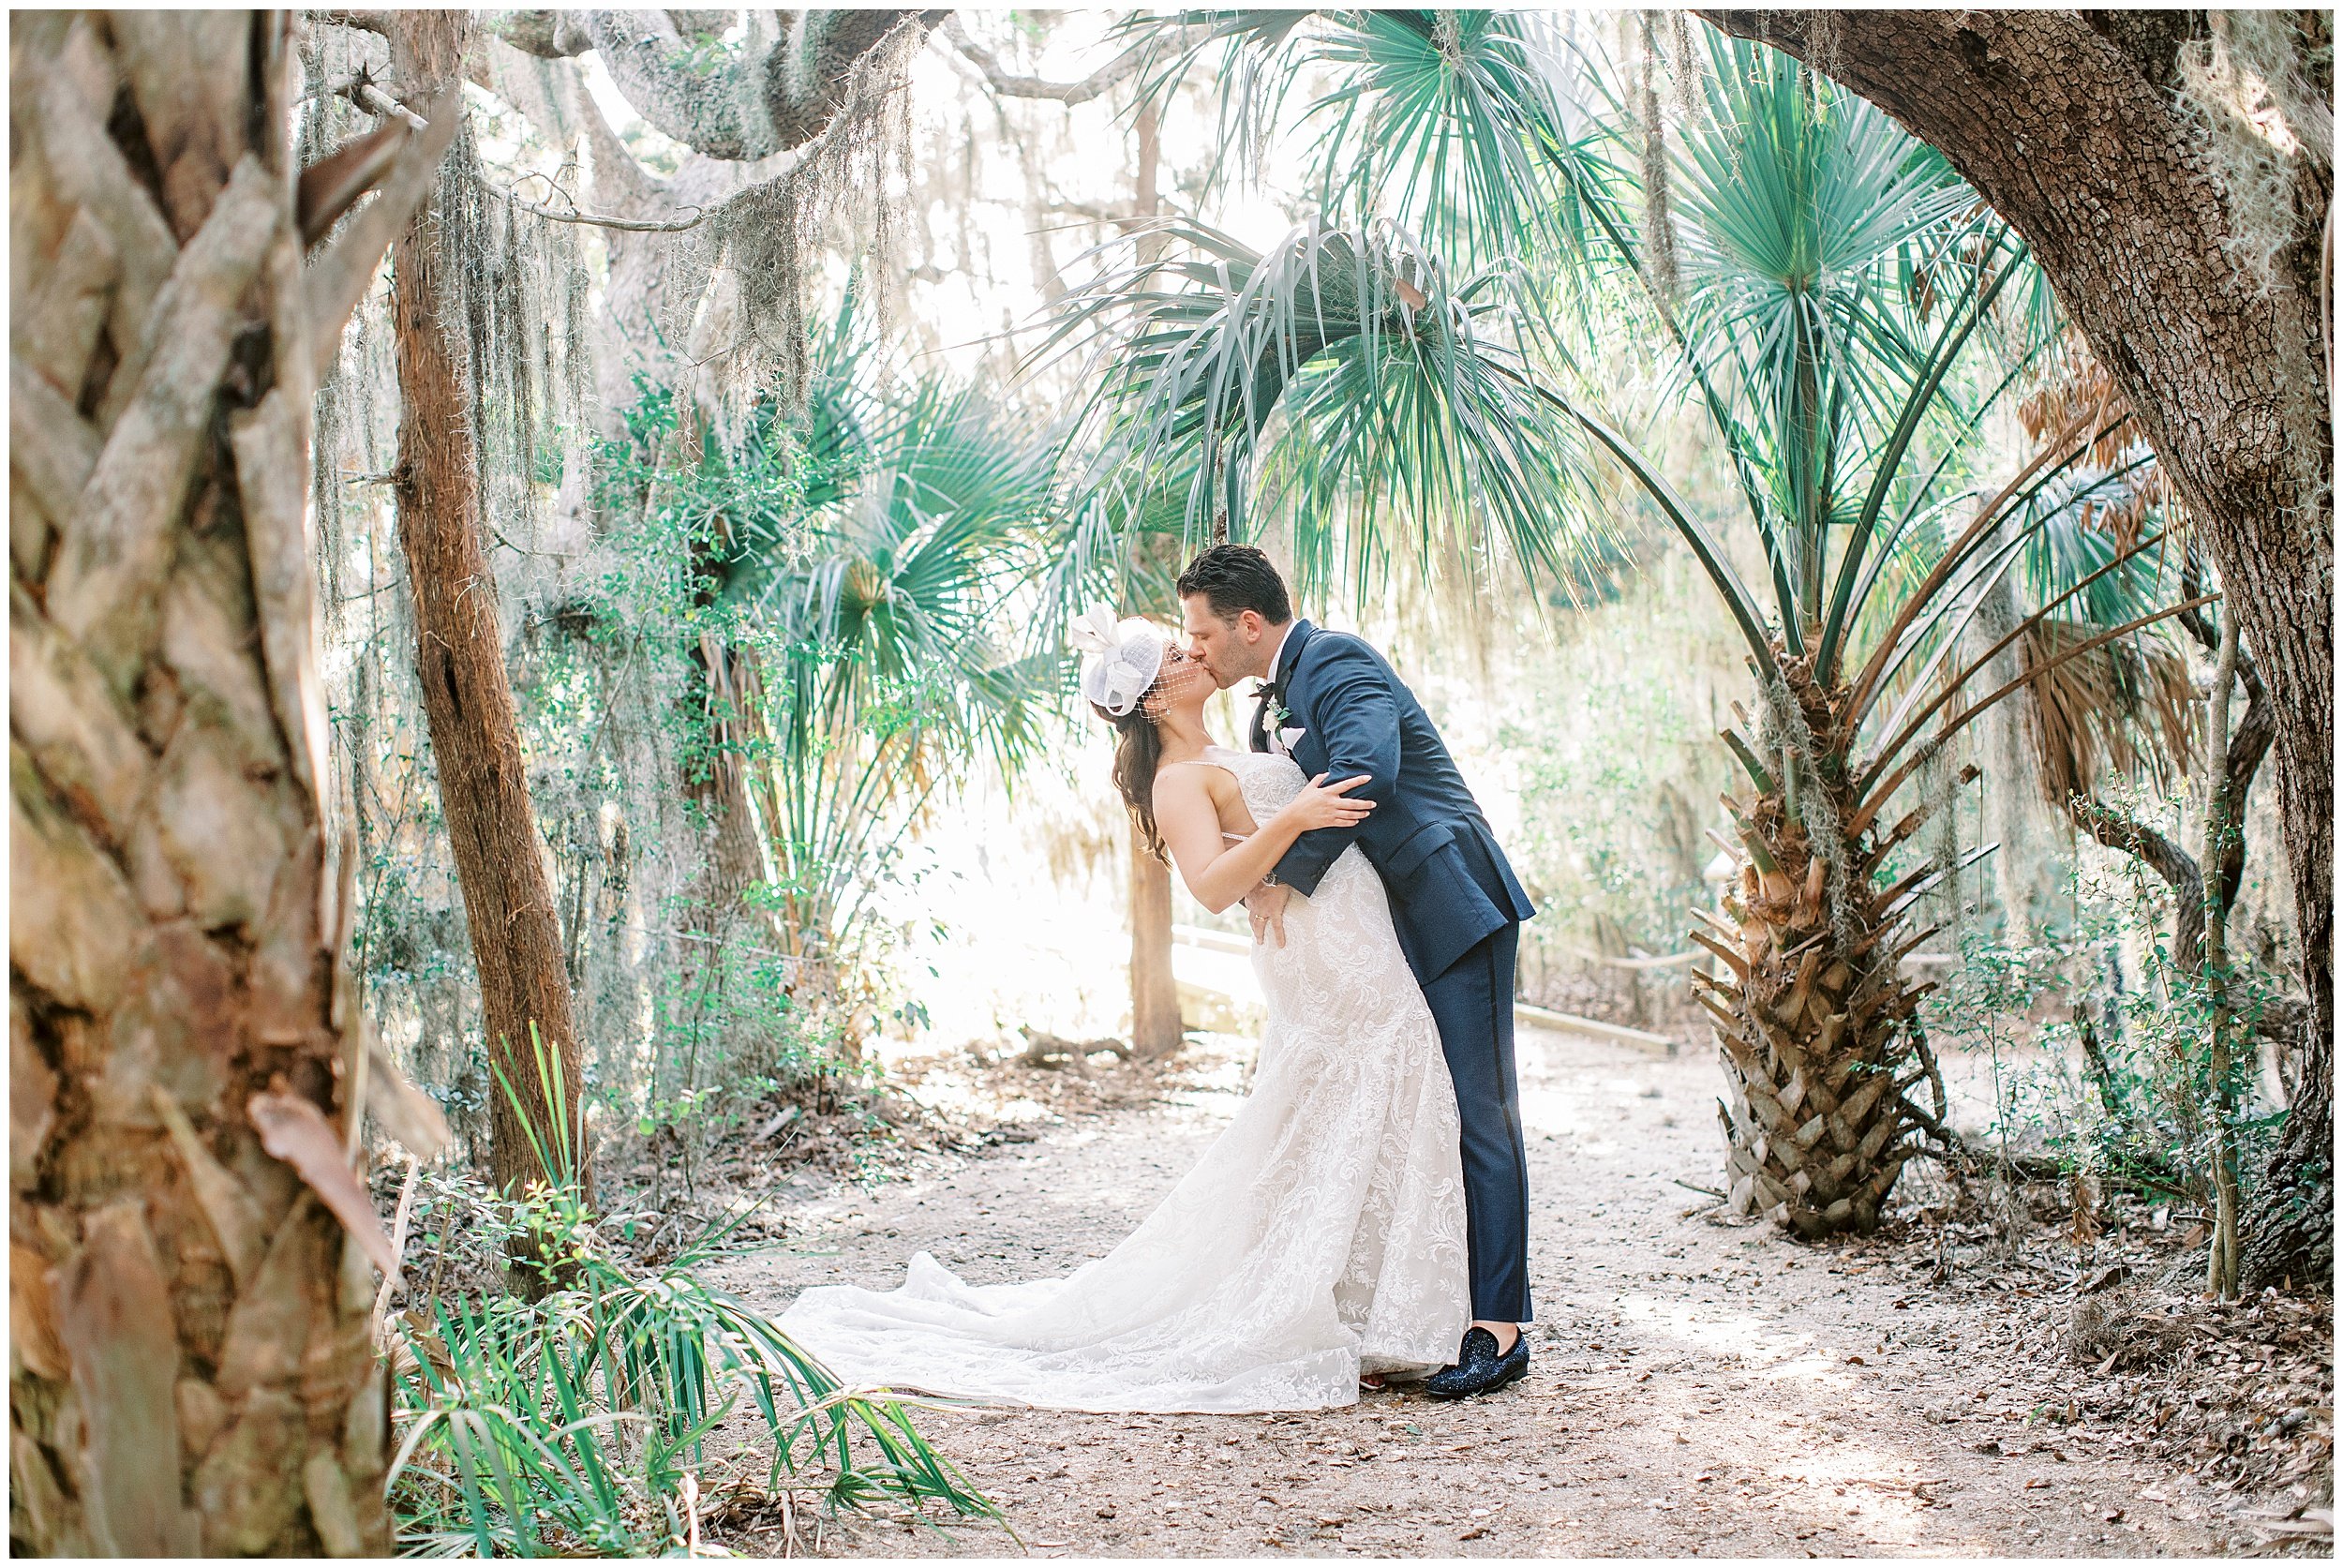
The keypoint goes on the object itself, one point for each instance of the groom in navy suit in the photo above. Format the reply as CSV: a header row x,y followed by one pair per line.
x,y
1332,703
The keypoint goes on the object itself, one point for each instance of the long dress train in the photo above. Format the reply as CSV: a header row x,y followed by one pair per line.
x,y
1321,1237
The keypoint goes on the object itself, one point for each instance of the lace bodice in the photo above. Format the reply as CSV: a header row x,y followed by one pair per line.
x,y
1323,1236
1268,782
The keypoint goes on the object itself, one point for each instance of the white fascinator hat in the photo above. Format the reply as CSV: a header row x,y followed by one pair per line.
x,y
1120,658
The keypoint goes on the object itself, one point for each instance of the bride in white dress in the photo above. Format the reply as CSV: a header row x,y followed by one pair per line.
x,y
1321,1238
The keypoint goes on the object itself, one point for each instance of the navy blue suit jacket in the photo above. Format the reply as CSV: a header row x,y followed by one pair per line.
x,y
1449,884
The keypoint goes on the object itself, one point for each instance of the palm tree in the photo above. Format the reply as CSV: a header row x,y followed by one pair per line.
x,y
1845,313
879,604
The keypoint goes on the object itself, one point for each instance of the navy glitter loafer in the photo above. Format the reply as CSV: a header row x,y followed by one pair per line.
x,y
1480,1370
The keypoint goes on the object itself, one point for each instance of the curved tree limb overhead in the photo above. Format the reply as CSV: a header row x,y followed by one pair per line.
x,y
562,35
1009,85
778,91
547,35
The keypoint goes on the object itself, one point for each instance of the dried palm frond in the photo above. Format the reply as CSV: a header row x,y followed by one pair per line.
x,y
2077,389
2124,708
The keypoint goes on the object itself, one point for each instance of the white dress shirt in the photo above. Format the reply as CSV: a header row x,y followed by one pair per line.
x,y
1276,739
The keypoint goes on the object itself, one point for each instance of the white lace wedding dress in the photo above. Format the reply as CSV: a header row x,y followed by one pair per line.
x,y
1321,1237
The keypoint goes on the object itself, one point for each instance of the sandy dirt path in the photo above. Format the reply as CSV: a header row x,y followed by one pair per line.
x,y
1696,1387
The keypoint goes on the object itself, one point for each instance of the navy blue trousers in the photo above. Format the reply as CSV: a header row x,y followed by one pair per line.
x,y
1472,1002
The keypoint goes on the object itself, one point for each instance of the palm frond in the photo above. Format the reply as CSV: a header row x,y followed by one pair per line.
x,y
877,598
1352,351
2126,708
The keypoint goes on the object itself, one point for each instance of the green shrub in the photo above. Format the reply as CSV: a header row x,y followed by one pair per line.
x,y
591,1418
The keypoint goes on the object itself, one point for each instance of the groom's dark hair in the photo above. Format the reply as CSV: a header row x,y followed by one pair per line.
x,y
1234,579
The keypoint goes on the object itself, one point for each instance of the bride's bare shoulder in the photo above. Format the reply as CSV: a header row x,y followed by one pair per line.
x,y
1193,776
1186,773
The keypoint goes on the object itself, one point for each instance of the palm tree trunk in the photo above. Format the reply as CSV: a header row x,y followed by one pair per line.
x,y
1811,1016
509,906
191,1325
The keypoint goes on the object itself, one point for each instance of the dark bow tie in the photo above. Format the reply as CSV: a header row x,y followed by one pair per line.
x,y
1268,690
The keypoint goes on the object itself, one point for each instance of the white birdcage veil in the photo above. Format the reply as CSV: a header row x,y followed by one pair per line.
x,y
1121,657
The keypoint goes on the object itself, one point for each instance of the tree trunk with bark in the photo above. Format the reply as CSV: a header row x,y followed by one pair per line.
x,y
2071,126
650,303
1155,1025
191,1251
509,907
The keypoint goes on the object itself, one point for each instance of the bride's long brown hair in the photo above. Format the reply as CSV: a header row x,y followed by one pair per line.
x,y
1138,748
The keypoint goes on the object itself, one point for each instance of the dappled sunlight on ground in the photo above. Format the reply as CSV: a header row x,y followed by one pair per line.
x,y
1696,1328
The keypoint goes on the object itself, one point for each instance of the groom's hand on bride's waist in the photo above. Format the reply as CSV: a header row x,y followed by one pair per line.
x,y
1266,905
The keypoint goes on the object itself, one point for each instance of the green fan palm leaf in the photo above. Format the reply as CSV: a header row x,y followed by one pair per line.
x,y
1348,350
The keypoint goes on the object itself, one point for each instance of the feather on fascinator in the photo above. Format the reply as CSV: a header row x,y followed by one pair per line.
x,y
1121,657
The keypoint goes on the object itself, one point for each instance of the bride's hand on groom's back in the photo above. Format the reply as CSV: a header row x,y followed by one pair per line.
x,y
1323,805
